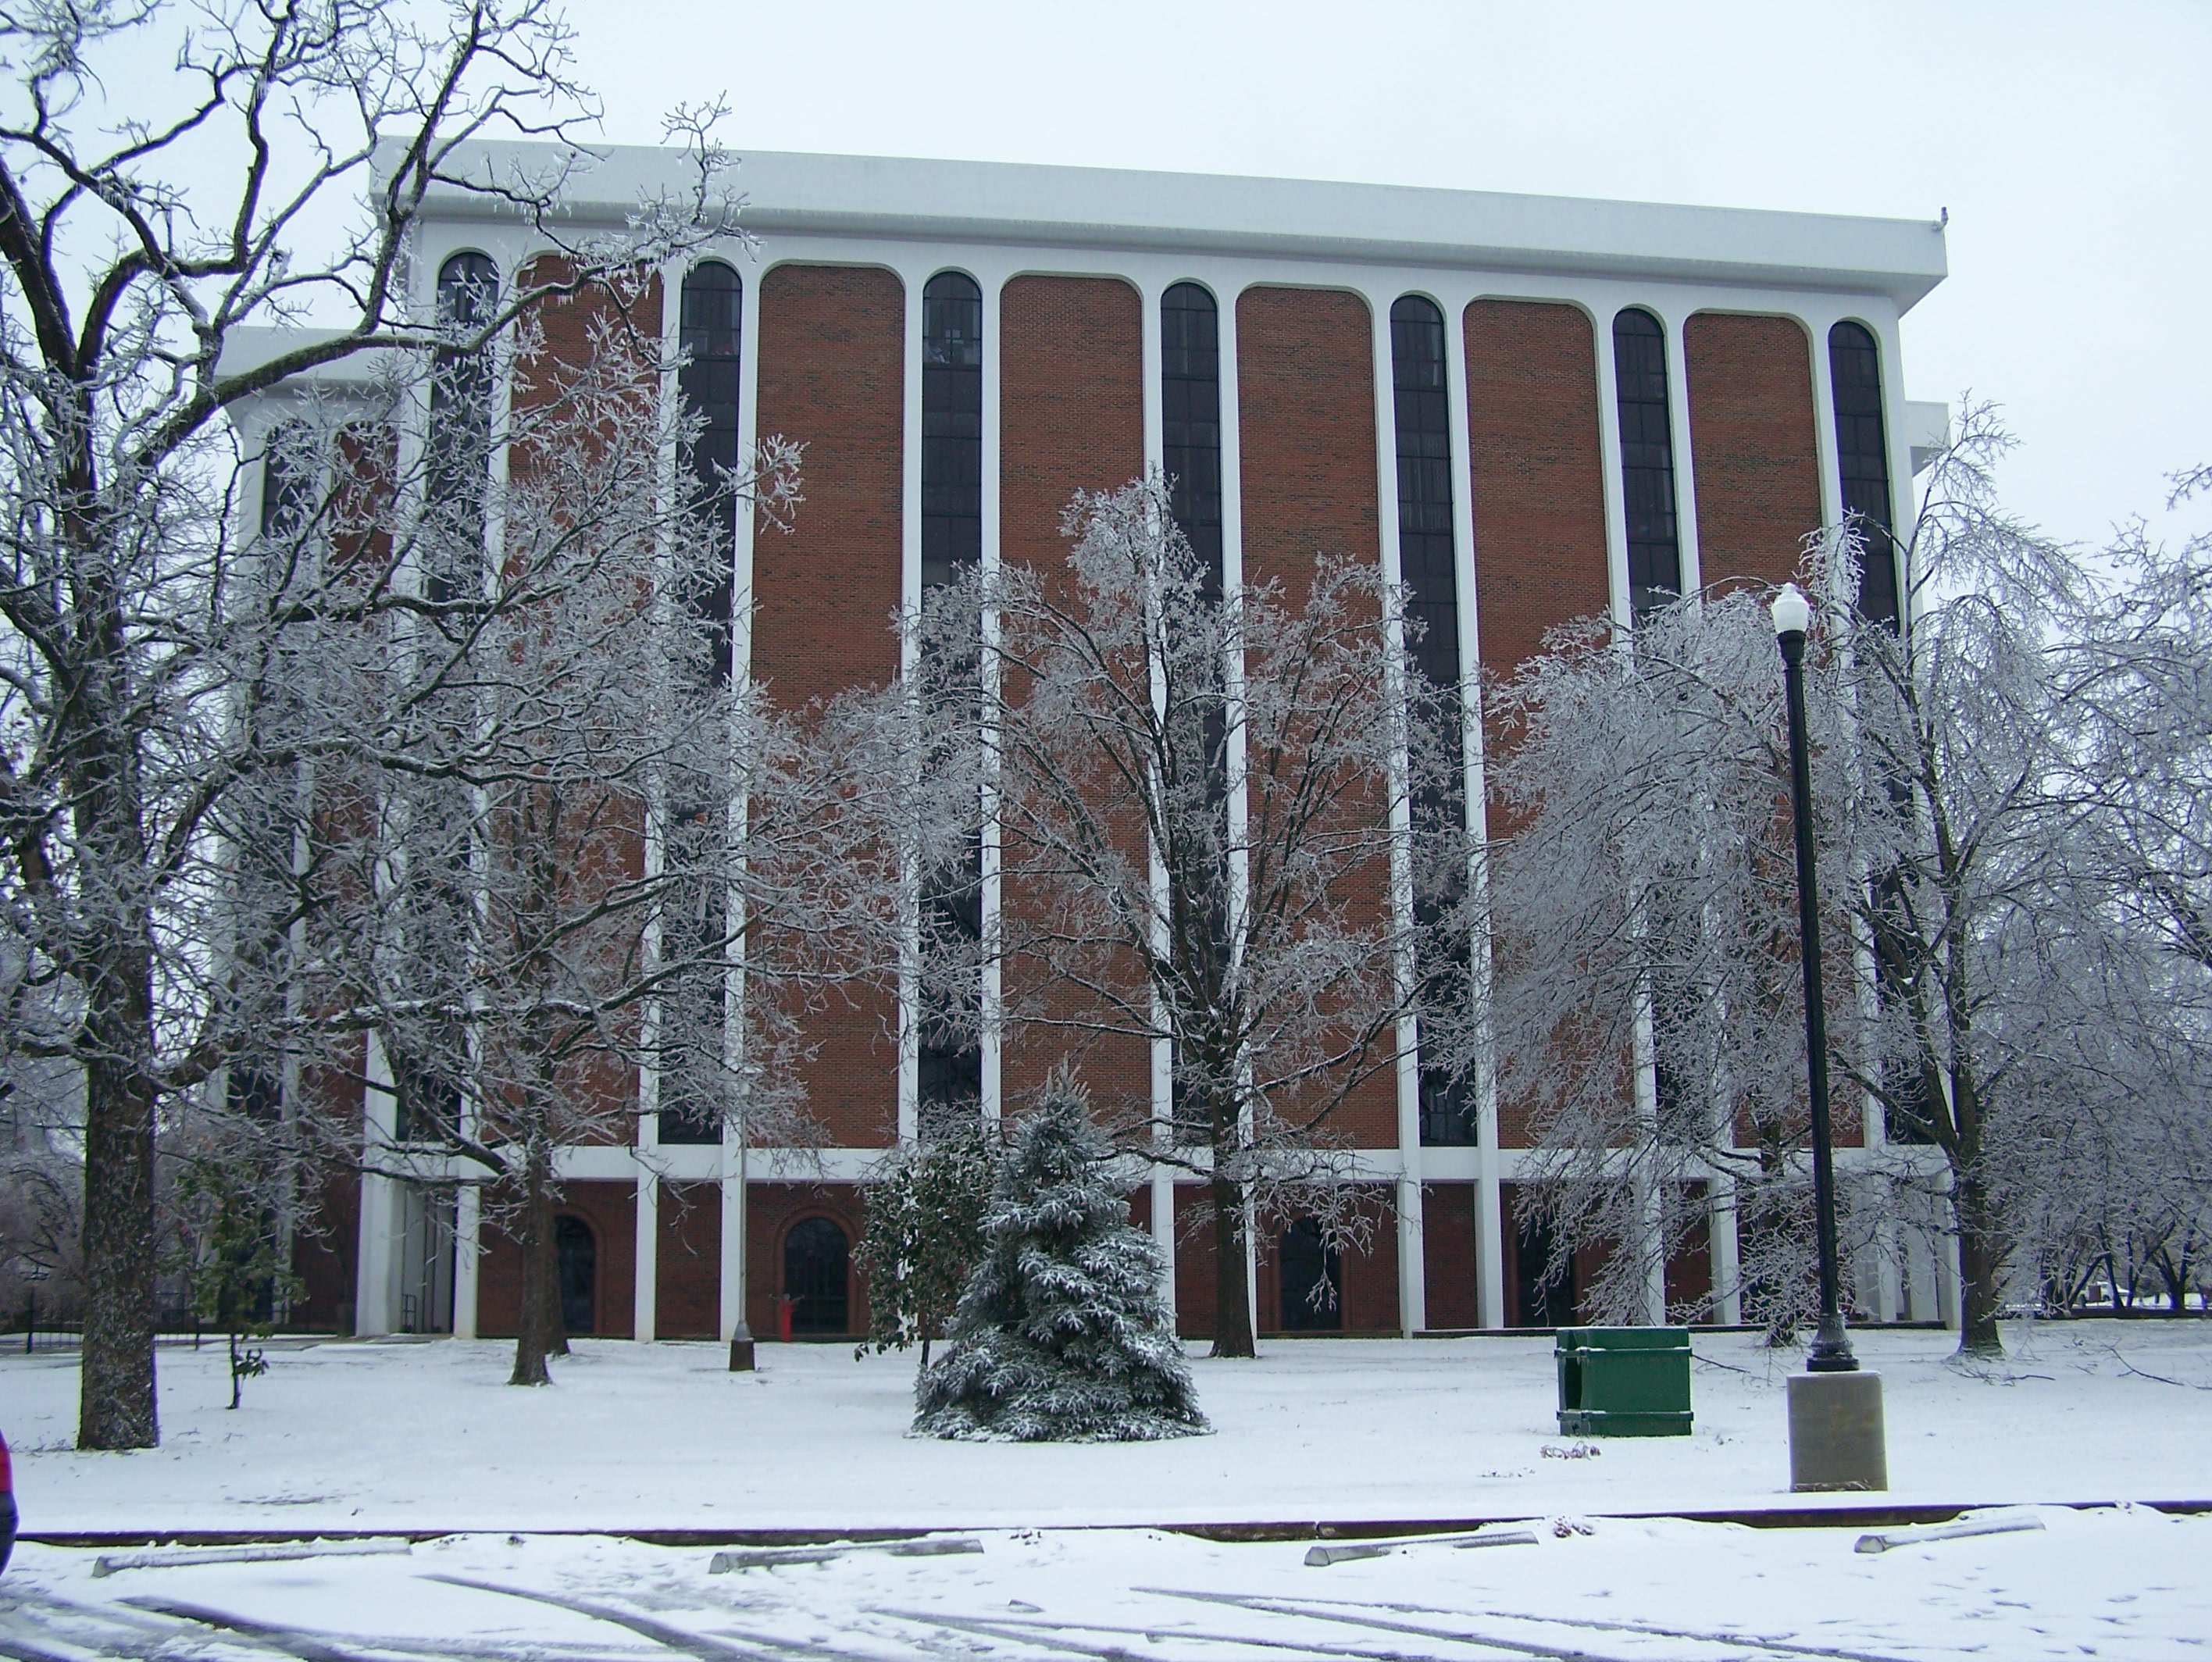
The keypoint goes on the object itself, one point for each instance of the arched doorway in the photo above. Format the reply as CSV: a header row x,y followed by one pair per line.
x,y
1312,1274
815,1255
577,1257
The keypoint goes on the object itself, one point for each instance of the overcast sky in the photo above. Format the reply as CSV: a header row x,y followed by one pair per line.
x,y
2072,144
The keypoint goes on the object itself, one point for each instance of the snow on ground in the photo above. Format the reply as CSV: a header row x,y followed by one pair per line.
x,y
2115,1584
428,1436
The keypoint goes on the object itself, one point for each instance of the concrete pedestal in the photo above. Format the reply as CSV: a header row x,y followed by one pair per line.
x,y
1836,1435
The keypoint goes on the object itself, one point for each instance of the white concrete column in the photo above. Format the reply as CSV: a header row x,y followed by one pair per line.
x,y
732,1312
992,1041
1678,429
1161,1058
375,1290
912,278
1412,1271
645,1285
468,1258
1722,1221
1489,1199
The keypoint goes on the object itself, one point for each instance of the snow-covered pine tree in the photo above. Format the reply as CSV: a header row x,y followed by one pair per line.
x,y
1060,1336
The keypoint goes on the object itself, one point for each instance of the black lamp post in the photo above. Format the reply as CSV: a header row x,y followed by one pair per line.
x,y
1831,1349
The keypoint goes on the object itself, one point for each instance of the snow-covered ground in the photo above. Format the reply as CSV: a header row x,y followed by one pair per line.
x,y
426,1436
2117,1585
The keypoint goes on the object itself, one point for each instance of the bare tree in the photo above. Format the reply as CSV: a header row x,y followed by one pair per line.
x,y
1200,817
2006,805
547,831
141,232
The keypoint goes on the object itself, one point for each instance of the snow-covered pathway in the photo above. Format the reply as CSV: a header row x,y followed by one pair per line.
x,y
2115,1584
427,1437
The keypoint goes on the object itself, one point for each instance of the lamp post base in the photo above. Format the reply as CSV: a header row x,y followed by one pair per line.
x,y
741,1350
1837,1439
1830,1351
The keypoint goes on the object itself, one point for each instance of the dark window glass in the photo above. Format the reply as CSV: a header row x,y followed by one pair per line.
x,y
1647,460
1538,1302
288,481
950,1064
459,460
1190,420
1190,454
1312,1281
1862,463
712,325
815,1255
1426,563
577,1257
951,427
694,925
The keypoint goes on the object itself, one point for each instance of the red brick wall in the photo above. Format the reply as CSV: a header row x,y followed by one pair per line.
x,y
772,1210
1754,443
1305,391
688,1270
1072,416
1536,474
832,376
1448,1253
1193,1264
611,1211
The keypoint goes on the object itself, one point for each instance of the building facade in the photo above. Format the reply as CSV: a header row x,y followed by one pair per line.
x,y
1527,409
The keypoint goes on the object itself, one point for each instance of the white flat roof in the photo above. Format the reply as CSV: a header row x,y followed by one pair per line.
x,y
1104,207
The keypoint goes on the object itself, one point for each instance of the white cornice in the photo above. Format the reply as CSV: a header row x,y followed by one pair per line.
x,y
1110,208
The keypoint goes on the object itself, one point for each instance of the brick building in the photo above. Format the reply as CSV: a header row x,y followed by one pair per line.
x,y
1529,409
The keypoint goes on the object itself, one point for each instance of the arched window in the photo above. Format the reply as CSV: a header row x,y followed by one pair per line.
x,y
815,1260
1427,564
948,1066
460,459
288,480
1312,1274
1647,460
712,322
576,1258
1862,463
951,427
1190,419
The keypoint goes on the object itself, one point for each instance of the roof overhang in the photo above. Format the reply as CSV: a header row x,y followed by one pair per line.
x,y
1095,207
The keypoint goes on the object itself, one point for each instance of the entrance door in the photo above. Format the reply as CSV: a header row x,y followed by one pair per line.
x,y
1542,1303
579,1260
814,1263
1312,1281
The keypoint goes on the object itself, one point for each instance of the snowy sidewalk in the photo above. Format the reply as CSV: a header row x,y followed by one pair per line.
x,y
2119,1585
639,1437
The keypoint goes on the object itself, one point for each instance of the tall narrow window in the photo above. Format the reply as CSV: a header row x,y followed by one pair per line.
x,y
434,899
1190,454
460,459
712,327
1647,460
288,480
951,427
1426,566
949,1069
1190,419
694,912
1862,463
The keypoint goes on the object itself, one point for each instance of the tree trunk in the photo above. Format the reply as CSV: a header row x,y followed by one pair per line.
x,y
115,1403
1981,1259
1232,1309
532,1339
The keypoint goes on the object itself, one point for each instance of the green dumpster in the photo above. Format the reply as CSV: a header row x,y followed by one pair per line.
x,y
1623,1382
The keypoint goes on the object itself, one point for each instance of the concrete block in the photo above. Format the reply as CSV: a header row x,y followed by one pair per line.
x,y
1836,1441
